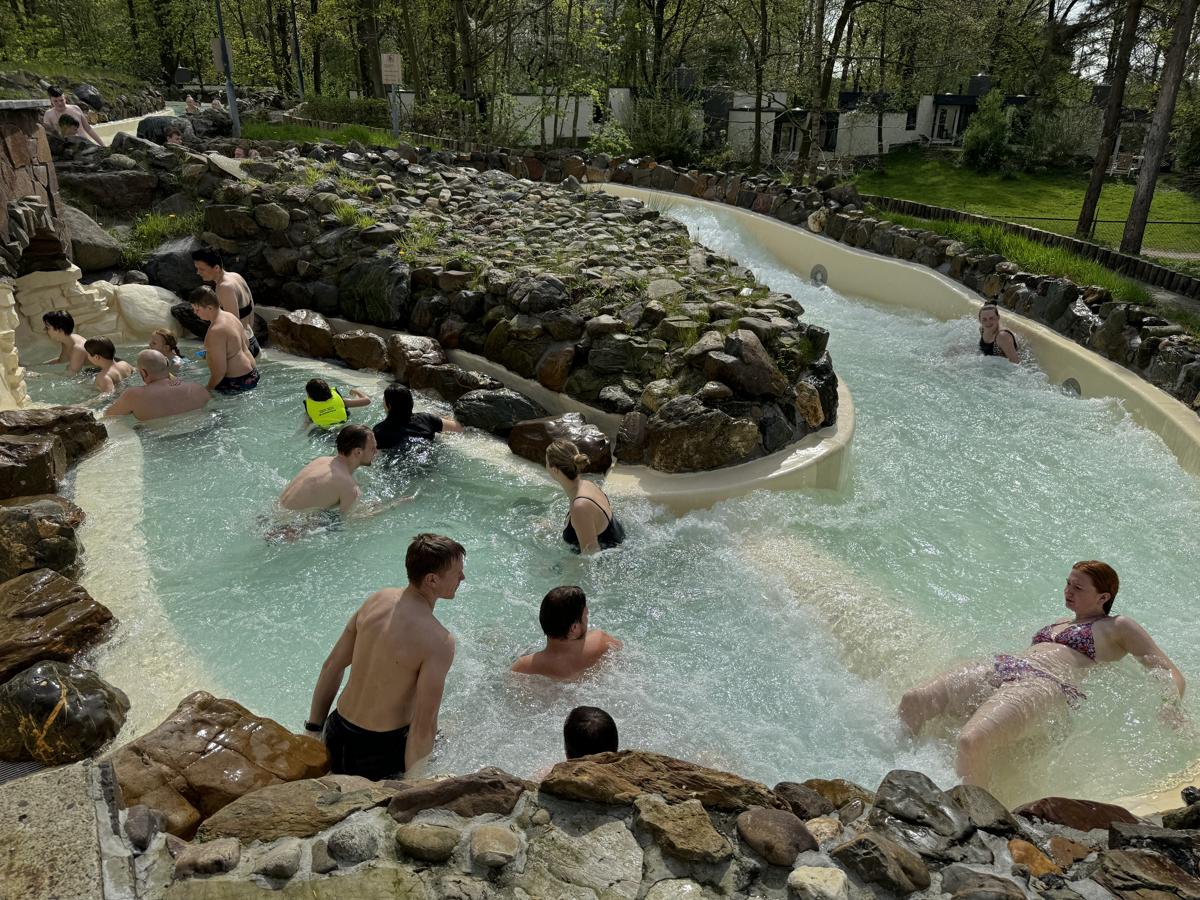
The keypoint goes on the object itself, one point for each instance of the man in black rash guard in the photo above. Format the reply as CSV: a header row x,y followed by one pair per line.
x,y
402,425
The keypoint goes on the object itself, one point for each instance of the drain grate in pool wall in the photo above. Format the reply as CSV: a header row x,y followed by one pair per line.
x,y
11,771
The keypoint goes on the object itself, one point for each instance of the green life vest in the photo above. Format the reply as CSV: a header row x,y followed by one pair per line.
x,y
326,413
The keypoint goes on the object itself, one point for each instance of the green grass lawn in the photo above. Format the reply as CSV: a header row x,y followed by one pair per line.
x,y
933,179
286,131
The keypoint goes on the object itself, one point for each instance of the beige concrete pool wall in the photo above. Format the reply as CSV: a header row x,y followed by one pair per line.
x,y
883,280
820,460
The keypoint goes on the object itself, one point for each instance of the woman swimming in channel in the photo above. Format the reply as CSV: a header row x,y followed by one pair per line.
x,y
1003,700
591,525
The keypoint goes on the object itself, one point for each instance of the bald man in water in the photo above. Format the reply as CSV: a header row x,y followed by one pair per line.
x,y
161,395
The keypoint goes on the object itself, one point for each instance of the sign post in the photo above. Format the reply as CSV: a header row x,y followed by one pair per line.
x,y
227,68
389,65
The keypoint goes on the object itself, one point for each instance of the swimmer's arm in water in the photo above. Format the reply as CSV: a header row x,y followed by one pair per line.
x,y
356,399
427,700
451,426
1007,346
104,384
366,510
348,500
218,365
1136,641
332,670
123,406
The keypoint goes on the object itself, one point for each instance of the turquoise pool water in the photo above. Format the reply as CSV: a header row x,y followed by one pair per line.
x,y
771,635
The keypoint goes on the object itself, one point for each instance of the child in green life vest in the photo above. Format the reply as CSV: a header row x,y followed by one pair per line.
x,y
327,408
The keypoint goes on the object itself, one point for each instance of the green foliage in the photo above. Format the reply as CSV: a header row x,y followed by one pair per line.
x,y
299,134
362,111
349,214
419,239
1187,133
665,128
985,142
154,229
1030,255
610,138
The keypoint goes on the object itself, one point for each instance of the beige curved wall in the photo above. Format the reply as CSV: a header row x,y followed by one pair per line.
x,y
860,273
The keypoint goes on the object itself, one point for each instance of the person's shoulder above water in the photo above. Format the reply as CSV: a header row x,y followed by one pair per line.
x,y
424,425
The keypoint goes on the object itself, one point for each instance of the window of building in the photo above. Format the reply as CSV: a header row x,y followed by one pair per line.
x,y
910,123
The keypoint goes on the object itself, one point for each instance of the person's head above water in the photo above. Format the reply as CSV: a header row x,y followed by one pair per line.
x,y
989,316
1091,588
398,401
318,389
208,263
357,444
589,730
68,125
205,303
565,457
57,100
58,320
164,342
100,348
434,564
563,615
152,366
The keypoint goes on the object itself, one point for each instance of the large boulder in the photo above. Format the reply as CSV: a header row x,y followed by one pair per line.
x,y
303,332
408,352
36,533
687,436
486,791
143,308
884,863
914,798
229,221
449,381
92,247
529,440
619,778
75,426
777,835
746,366
208,753
170,266
30,464
154,128
125,191
56,713
495,411
361,349
539,295
1083,815
683,830
377,292
210,123
88,95
46,616
296,808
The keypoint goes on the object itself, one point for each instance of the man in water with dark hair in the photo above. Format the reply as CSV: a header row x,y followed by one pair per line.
x,y
398,654
402,425
232,291
60,328
570,648
231,367
589,730
59,107
328,481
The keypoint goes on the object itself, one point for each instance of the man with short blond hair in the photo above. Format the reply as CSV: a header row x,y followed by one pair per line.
x,y
398,654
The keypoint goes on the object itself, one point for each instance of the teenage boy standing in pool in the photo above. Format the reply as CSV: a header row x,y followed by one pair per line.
x,y
232,291
60,328
230,365
399,654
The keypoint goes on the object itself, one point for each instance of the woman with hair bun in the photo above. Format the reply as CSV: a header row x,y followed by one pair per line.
x,y
591,525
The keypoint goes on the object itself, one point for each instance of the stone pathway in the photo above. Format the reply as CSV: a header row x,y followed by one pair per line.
x,y
48,845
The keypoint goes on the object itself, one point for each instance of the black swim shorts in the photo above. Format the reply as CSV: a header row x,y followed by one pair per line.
x,y
238,384
356,751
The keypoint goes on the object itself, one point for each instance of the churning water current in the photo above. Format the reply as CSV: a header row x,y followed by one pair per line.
x,y
771,635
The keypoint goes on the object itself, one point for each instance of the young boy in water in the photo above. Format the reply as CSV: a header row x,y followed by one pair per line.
x,y
113,371
60,328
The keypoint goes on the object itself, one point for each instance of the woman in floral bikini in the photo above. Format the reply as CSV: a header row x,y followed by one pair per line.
x,y
1008,696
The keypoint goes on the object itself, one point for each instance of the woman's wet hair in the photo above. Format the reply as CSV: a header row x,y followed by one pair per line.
x,y
588,730
169,339
431,554
351,438
1103,578
561,608
207,255
565,456
100,346
318,389
992,306
399,402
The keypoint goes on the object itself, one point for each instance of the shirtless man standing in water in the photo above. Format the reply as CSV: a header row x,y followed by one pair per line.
x,y
230,365
328,481
232,291
161,395
399,654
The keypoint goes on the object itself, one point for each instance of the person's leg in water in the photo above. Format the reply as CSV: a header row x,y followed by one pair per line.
x,y
956,692
1011,712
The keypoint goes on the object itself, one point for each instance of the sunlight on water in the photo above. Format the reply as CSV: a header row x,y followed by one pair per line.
x,y
771,635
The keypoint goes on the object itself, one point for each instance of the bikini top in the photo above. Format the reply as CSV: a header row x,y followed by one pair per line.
x,y
988,348
1078,637
610,537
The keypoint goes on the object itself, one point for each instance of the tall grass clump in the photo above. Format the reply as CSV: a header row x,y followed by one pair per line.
x,y
1030,255
349,214
154,229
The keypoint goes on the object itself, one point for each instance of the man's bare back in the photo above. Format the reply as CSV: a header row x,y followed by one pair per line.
x,y
563,663
168,397
323,483
226,349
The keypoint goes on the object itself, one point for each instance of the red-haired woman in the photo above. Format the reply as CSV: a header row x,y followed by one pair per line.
x,y
1005,698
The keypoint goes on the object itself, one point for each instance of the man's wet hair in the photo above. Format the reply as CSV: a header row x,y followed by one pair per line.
x,y
430,554
207,255
351,438
101,347
589,730
318,389
561,608
60,319
204,296
66,120
54,91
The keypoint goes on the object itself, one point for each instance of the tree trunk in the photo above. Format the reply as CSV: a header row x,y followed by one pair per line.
x,y
367,33
410,47
1160,128
879,102
133,28
466,40
849,54
316,53
761,53
285,53
812,124
1112,115
826,82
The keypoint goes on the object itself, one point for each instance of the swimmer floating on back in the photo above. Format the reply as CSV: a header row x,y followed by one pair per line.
x,y
1006,698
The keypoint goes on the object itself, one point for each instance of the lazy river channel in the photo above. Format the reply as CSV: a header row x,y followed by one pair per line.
x,y
771,635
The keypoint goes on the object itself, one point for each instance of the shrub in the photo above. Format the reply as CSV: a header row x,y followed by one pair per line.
x,y
154,229
362,110
665,127
985,142
610,138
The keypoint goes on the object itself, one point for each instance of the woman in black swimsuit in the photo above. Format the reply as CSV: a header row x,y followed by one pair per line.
x,y
591,525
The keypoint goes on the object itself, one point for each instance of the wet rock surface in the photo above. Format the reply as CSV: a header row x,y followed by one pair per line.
x,y
37,533
75,426
530,438
44,616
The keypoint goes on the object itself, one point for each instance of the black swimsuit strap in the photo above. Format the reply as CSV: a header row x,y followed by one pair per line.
x,y
598,506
